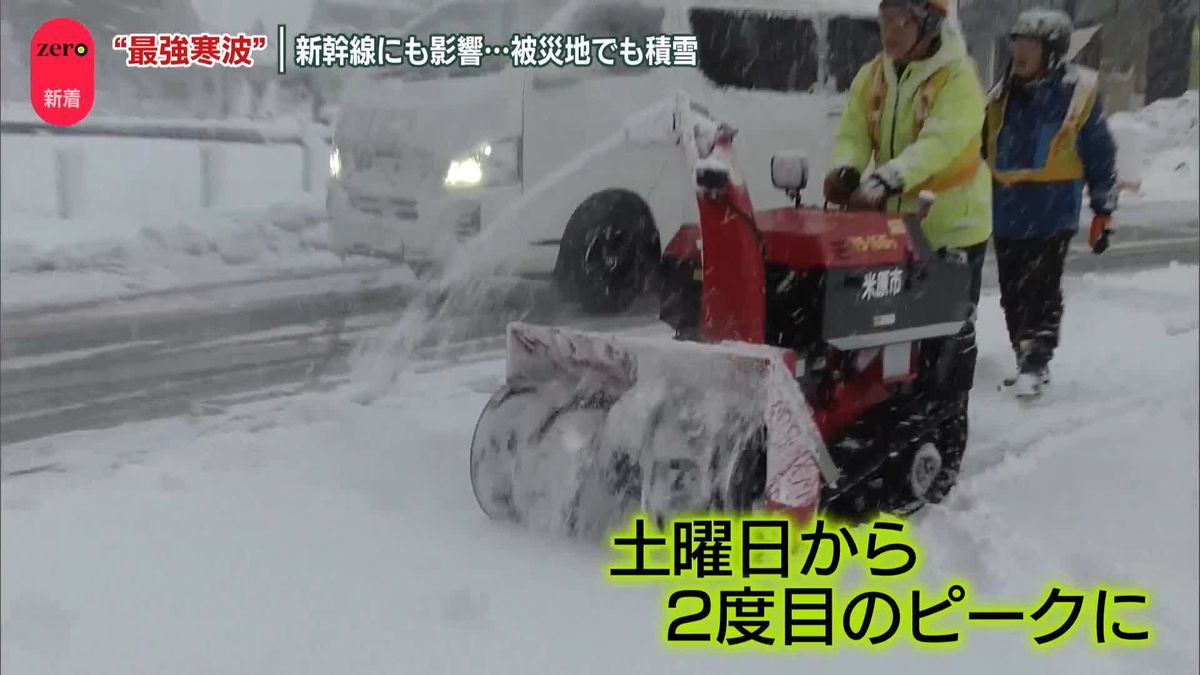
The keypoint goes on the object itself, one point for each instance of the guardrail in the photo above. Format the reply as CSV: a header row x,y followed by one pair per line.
x,y
227,162
223,131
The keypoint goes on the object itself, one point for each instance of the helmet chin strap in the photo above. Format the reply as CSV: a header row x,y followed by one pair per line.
x,y
922,35
908,55
1051,61
925,20
907,58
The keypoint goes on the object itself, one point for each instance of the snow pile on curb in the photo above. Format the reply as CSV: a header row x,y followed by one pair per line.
x,y
1164,136
1168,123
1171,175
60,261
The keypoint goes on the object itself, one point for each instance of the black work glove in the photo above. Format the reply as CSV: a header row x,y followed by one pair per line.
x,y
840,184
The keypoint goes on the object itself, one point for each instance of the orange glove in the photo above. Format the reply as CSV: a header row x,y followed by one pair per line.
x,y
1101,230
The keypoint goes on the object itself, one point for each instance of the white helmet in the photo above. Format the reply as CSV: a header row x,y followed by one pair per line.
x,y
1051,26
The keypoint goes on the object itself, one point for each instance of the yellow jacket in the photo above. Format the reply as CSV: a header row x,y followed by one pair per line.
x,y
926,130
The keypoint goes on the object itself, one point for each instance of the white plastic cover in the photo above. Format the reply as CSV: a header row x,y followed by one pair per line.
x,y
789,170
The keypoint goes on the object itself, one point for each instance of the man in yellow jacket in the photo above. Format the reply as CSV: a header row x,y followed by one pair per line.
x,y
916,113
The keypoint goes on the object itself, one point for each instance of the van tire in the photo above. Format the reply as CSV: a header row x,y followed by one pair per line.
x,y
610,252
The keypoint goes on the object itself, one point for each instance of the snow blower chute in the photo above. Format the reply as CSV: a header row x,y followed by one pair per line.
x,y
792,383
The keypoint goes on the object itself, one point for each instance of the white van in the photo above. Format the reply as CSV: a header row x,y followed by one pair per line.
x,y
424,157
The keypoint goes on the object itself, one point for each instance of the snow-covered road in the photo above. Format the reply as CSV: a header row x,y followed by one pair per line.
x,y
316,535
99,364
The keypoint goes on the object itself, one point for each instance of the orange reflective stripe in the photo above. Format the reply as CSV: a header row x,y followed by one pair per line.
x,y
876,95
1057,174
926,94
963,171
876,92
1083,99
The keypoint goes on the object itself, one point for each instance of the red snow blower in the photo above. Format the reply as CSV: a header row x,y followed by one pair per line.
x,y
792,383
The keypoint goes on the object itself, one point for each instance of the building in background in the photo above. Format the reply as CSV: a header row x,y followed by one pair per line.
x,y
1143,48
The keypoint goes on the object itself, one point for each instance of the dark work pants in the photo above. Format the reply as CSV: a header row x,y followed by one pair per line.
x,y
1031,272
951,364
948,368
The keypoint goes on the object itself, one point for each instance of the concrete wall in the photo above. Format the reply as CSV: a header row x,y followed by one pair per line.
x,y
90,177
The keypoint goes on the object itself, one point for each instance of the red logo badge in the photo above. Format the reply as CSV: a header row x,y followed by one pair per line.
x,y
62,72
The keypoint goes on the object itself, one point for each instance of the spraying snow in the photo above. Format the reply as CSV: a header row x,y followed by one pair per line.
x,y
476,271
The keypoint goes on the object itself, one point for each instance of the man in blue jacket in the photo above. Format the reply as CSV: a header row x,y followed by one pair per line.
x,y
1045,137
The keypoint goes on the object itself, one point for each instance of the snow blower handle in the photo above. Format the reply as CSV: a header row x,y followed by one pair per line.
x,y
913,225
925,202
916,233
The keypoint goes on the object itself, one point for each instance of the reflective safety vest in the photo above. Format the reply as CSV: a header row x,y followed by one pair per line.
x,y
1063,163
964,167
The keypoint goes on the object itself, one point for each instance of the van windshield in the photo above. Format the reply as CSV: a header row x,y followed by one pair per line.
x,y
496,20
853,41
745,49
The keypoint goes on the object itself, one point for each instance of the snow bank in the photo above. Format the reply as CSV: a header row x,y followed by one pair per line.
x,y
1159,148
51,261
158,209
1167,123
1172,175
313,535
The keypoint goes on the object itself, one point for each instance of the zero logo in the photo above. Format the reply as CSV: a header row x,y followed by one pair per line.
x,y
62,72
61,49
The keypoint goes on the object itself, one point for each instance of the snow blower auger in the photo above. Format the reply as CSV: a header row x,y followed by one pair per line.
x,y
791,384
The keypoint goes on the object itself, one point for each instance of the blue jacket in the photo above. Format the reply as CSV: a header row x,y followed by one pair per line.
x,y
1033,115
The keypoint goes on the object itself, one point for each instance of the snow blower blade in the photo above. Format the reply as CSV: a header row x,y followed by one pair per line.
x,y
591,428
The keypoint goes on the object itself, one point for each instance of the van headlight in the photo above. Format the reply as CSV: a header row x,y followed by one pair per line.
x,y
488,165
465,172
335,163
